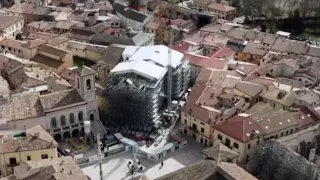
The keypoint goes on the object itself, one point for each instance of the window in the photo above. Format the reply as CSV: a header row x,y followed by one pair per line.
x,y
88,84
291,131
9,48
287,132
63,120
2,47
185,121
220,137
44,156
12,161
236,145
249,146
71,118
258,142
202,130
80,116
28,158
53,123
282,134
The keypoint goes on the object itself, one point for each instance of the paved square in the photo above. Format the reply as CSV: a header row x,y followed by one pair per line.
x,y
115,168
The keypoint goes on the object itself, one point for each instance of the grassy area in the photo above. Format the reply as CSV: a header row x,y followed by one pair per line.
x,y
80,61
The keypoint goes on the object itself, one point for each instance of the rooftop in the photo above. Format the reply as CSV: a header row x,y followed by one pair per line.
x,y
47,61
12,43
28,104
221,7
61,168
43,25
279,96
241,128
8,21
35,138
250,89
253,48
220,152
130,13
34,43
53,50
148,61
60,98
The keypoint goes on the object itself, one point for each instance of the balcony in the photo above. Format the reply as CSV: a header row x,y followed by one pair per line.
x,y
194,129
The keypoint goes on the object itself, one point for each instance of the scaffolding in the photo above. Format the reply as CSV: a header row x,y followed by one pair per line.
x,y
272,160
135,103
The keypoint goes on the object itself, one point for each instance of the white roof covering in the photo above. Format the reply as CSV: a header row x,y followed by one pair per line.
x,y
143,68
148,61
158,54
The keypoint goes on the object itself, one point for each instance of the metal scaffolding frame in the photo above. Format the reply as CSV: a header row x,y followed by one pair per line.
x,y
272,160
135,103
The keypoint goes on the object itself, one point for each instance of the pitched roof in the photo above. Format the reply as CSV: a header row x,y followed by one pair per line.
x,y
129,13
26,8
60,98
253,48
220,152
64,25
53,50
107,39
58,40
7,21
200,170
240,128
234,171
33,43
221,7
314,51
248,88
61,168
39,58
269,39
12,43
44,25
206,62
84,71
279,96
23,106
34,138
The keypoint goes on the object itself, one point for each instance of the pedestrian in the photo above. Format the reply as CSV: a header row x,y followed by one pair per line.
x,y
161,163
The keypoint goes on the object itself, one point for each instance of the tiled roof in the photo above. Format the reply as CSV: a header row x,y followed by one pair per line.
x,y
234,171
58,40
64,25
23,106
152,24
7,21
54,169
34,43
36,138
129,13
304,117
206,62
25,8
12,43
181,46
221,7
253,48
200,170
269,39
44,25
248,88
47,61
107,39
60,98
53,50
240,128
314,51
219,153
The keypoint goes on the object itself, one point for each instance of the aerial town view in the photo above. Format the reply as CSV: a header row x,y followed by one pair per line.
x,y
159,89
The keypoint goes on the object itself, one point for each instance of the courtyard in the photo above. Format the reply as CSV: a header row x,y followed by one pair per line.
x,y
115,168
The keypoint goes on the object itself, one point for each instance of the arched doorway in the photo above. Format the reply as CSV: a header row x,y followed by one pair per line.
x,y
66,135
57,137
91,117
75,133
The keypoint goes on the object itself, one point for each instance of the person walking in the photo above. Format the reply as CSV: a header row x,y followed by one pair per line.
x,y
161,163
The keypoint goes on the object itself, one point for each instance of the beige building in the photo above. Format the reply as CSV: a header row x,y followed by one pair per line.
x,y
20,146
252,53
55,59
208,105
12,46
55,169
222,10
10,26
40,26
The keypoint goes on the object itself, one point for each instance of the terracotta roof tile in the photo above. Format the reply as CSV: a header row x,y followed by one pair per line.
x,y
240,128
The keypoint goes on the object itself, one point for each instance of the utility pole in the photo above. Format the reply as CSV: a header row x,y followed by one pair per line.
x,y
99,154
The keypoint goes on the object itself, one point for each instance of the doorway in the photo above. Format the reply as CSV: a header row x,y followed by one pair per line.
x,y
91,117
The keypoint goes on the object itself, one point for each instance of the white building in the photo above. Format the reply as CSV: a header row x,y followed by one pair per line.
x,y
130,17
10,26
